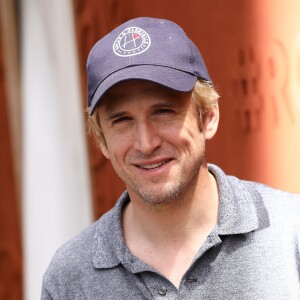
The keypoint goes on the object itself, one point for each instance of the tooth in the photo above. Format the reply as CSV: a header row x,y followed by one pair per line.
x,y
153,166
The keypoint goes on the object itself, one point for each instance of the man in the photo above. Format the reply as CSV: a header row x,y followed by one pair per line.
x,y
183,229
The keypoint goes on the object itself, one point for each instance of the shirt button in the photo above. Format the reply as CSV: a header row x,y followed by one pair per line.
x,y
191,280
162,291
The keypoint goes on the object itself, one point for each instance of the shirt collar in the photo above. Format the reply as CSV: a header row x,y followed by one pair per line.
x,y
109,246
241,206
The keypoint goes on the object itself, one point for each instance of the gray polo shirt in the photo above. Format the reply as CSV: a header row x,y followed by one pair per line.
x,y
253,253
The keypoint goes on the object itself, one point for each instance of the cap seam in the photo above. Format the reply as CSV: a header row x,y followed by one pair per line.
x,y
184,37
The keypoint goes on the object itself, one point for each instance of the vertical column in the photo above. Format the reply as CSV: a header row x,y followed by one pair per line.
x,y
10,232
56,194
10,246
254,60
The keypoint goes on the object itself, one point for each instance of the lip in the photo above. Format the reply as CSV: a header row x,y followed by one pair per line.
x,y
153,165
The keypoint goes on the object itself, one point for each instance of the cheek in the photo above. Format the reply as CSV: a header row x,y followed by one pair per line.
x,y
118,146
191,130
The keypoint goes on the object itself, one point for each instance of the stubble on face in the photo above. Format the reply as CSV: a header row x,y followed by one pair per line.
x,y
173,192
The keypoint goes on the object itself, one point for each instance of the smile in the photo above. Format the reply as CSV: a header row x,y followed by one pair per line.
x,y
153,166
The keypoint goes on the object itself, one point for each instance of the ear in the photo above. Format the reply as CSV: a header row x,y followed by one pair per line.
x,y
105,151
211,122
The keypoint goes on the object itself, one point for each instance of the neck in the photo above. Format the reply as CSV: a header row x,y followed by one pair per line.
x,y
196,212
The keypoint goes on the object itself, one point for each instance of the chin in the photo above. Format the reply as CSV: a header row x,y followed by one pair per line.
x,y
163,197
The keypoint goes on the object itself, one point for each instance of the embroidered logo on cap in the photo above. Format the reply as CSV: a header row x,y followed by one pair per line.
x,y
131,41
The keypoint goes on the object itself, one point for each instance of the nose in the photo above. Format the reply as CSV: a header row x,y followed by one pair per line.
x,y
147,137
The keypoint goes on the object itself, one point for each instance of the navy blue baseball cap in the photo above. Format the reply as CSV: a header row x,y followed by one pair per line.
x,y
145,48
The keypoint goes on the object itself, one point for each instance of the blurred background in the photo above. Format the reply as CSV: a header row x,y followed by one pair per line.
x,y
53,179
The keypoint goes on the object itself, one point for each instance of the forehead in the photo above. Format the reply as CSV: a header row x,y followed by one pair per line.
x,y
141,91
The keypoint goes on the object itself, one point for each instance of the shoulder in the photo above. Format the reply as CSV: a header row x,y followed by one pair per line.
x,y
74,271
271,206
259,190
281,207
74,258
275,198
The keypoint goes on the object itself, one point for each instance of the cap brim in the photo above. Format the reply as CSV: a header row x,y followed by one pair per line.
x,y
169,77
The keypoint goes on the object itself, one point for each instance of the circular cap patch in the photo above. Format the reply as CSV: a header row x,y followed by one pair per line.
x,y
131,41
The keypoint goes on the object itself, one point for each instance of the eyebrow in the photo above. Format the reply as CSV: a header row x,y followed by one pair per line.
x,y
163,104
113,116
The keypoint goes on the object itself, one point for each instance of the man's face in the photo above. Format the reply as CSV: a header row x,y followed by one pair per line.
x,y
152,139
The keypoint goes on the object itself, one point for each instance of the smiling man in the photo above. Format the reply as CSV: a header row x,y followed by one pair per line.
x,y
182,229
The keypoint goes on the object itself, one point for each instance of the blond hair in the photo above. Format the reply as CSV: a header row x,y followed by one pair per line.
x,y
205,97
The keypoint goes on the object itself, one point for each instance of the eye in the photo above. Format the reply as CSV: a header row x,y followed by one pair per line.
x,y
164,111
121,120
